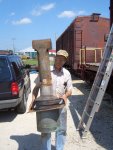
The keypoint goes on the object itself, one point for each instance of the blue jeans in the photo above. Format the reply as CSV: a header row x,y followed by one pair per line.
x,y
60,133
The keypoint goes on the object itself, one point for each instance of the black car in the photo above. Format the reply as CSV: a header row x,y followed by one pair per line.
x,y
14,82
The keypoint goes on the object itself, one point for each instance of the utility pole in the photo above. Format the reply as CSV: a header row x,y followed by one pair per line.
x,y
55,39
13,39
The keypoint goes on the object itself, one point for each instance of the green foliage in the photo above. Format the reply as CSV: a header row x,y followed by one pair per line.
x,y
31,61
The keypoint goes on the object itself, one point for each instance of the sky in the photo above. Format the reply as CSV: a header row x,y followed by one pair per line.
x,y
22,21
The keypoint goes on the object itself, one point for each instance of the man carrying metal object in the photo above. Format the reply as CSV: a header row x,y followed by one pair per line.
x,y
62,88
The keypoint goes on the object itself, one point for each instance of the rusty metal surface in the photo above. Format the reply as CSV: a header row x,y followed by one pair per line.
x,y
46,108
82,32
111,12
46,89
39,44
47,122
92,66
45,105
91,55
42,46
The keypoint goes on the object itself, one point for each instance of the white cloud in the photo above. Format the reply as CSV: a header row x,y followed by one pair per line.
x,y
22,21
70,14
36,12
12,14
67,14
48,7
81,12
40,10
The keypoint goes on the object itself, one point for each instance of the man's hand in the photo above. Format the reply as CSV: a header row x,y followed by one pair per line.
x,y
30,108
64,97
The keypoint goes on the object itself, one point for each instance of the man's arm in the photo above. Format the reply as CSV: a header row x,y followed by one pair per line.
x,y
66,95
69,88
34,94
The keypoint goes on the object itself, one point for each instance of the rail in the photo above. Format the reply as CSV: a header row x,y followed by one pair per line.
x,y
83,54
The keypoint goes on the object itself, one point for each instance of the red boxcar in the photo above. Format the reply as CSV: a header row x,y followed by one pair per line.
x,y
84,40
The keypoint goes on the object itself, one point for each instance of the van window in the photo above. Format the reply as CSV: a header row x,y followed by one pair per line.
x,y
5,74
20,65
16,69
16,66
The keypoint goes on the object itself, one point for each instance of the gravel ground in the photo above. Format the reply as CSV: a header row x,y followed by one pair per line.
x,y
18,132
100,136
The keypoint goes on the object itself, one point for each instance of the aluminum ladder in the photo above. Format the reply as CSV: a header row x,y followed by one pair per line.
x,y
98,88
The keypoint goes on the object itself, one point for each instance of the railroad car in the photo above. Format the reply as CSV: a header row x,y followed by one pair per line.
x,y
84,40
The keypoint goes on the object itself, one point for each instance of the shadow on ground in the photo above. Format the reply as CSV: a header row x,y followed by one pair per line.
x,y
102,125
78,99
28,142
7,116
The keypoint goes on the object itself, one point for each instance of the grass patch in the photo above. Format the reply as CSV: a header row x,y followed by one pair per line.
x,y
31,61
34,62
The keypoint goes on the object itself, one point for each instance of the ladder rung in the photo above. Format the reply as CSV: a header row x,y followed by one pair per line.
x,y
95,85
92,100
110,46
87,114
106,59
98,87
102,73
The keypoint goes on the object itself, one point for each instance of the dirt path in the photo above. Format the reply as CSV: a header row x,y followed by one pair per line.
x,y
18,132
100,136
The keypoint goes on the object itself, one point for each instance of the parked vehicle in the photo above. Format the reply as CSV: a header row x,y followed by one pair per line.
x,y
25,57
14,82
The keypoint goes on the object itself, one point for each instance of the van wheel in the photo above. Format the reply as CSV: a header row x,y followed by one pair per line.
x,y
21,108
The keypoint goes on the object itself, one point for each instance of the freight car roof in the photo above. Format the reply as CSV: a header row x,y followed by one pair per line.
x,y
79,19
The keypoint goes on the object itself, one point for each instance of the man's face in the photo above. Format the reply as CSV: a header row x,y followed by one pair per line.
x,y
59,61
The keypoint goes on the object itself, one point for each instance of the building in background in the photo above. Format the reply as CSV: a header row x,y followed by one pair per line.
x,y
28,52
52,54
